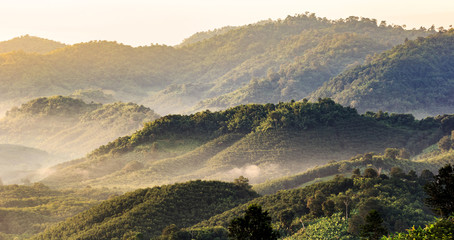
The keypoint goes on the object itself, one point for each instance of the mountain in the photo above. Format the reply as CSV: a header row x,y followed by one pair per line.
x,y
260,142
175,79
69,127
19,164
415,77
30,44
144,213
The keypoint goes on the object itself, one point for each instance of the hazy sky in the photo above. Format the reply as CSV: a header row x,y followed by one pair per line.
x,y
142,22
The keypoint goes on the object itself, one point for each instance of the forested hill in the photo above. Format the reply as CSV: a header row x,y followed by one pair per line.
x,y
174,79
30,44
417,77
70,127
143,214
258,141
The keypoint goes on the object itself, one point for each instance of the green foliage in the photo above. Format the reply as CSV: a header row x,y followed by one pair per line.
x,y
373,228
333,227
173,79
70,127
27,210
255,224
440,192
292,136
442,229
146,212
399,202
404,79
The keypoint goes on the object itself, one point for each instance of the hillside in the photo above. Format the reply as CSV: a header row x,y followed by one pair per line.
x,y
19,164
415,77
345,167
27,210
174,79
69,127
29,44
145,213
257,141
318,211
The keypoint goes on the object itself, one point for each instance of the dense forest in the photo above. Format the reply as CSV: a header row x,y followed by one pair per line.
x,y
68,127
416,76
304,127
307,50
337,208
261,142
144,213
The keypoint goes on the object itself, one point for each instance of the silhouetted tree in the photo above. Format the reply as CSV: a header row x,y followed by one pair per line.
x,y
441,192
254,225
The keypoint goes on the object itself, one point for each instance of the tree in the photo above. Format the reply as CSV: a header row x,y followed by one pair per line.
x,y
426,176
396,172
254,225
242,182
373,227
392,153
445,143
370,173
441,192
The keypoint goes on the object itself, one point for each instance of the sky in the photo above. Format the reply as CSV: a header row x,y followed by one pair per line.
x,y
145,22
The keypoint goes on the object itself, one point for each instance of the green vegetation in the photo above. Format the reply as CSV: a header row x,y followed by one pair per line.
x,y
69,127
27,210
413,77
259,142
320,210
173,79
359,162
442,229
145,213
255,224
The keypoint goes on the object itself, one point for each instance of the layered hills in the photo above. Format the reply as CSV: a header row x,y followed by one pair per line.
x,y
19,164
69,127
416,76
308,49
258,141
145,213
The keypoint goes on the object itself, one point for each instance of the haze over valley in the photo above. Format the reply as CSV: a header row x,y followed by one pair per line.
x,y
318,127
